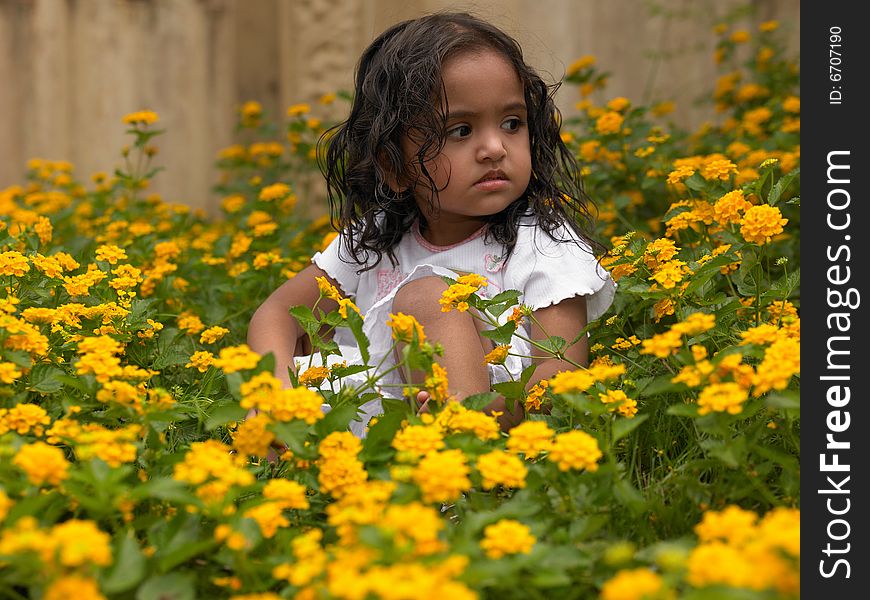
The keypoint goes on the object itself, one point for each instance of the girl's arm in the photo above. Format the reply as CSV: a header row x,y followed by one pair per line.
x,y
273,329
565,320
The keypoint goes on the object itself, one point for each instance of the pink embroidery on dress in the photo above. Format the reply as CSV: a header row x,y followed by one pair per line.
x,y
388,279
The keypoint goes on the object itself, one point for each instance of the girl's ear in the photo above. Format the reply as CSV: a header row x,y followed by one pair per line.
x,y
390,177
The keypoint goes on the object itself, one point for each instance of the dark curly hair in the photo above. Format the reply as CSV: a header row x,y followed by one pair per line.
x,y
398,87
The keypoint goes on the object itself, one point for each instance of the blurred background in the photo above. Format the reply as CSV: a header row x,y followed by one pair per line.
x,y
71,69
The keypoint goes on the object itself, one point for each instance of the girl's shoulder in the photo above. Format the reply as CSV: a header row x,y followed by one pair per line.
x,y
533,237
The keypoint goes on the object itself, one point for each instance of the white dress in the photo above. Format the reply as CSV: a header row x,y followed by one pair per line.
x,y
544,270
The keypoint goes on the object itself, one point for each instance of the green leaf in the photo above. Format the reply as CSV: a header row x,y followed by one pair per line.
x,y
128,567
376,445
781,186
293,434
510,389
355,323
480,401
187,551
340,372
785,285
547,578
169,358
224,413
306,319
696,183
164,488
234,383
789,400
337,419
623,426
659,385
172,586
506,296
683,410
553,344
19,357
502,334
527,373
45,378
627,495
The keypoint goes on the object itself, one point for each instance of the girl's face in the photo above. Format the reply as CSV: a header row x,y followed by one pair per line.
x,y
486,161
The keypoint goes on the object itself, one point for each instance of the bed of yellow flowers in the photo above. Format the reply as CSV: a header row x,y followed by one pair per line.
x,y
667,469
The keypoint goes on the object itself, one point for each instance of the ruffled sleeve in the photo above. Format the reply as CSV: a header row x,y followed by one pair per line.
x,y
548,271
334,260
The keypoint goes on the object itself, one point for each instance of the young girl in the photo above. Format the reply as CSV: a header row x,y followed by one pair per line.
x,y
451,162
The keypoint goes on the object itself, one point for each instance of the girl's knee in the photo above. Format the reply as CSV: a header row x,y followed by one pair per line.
x,y
419,296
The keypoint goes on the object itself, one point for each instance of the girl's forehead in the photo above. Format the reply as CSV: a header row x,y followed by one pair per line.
x,y
481,73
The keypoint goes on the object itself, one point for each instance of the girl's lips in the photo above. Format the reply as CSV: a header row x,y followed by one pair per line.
x,y
492,185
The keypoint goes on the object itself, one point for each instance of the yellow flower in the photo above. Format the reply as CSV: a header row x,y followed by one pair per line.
x,y
733,525
760,223
419,440
269,517
792,104
344,304
82,543
609,122
111,253
633,584
721,169
237,358
144,117
499,468
768,26
233,203
201,361
782,359
622,403
298,109
671,273
729,207
340,469
276,191
13,263
575,450
42,463
508,536
740,36
497,355
327,290
534,397
286,493
9,372
722,397
190,323
578,65
73,586
406,328
619,104
313,376
456,295
212,334
252,438
442,476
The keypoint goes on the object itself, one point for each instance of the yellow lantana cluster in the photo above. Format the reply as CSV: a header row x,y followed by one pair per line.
x,y
760,554
508,536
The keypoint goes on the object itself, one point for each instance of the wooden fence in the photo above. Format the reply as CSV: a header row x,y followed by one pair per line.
x,y
70,69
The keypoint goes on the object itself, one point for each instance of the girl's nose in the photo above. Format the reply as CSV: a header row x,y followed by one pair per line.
x,y
491,147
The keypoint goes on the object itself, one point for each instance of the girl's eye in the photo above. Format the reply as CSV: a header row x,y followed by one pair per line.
x,y
460,131
512,124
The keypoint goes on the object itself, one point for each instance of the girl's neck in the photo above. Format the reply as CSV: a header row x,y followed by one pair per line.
x,y
444,238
